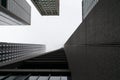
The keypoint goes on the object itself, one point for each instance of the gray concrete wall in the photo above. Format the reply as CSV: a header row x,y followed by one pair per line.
x,y
93,50
20,8
16,12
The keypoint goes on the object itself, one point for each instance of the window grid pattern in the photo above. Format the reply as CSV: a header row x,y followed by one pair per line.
x,y
32,77
13,51
47,7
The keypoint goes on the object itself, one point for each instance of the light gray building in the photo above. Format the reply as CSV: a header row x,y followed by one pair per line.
x,y
47,7
15,52
87,6
15,12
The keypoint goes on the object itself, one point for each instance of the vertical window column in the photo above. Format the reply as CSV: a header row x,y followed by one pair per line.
x,y
4,3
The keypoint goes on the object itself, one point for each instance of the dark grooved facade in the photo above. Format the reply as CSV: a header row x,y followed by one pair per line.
x,y
93,51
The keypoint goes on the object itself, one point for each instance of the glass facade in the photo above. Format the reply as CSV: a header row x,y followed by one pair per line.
x,y
30,77
87,6
14,51
47,7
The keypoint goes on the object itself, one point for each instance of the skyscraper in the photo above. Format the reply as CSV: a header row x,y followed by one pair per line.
x,y
87,6
93,50
47,7
15,52
15,12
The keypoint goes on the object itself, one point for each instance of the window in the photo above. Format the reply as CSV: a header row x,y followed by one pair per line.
x,y
4,3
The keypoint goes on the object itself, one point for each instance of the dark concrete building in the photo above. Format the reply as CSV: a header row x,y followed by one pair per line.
x,y
47,7
15,12
93,50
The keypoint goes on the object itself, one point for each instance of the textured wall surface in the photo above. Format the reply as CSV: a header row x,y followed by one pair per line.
x,y
15,12
20,8
93,50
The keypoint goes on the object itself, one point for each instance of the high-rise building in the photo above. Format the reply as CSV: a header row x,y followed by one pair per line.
x,y
47,7
15,52
87,6
51,65
15,12
93,51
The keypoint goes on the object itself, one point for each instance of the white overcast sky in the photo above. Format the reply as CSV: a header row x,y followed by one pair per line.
x,y
53,31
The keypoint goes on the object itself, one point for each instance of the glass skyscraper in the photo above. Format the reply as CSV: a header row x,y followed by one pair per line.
x,y
15,52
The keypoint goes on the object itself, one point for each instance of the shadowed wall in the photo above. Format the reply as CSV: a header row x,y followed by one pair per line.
x,y
93,50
